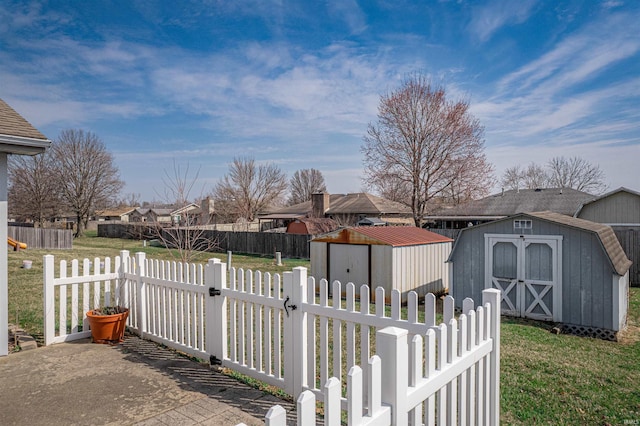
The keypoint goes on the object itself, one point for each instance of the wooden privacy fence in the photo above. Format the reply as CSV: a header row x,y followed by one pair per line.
x,y
286,330
630,242
42,238
263,243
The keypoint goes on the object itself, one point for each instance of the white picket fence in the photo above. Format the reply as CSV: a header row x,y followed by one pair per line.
x,y
289,332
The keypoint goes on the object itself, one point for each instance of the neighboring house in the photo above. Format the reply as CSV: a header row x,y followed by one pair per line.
x,y
118,214
160,216
188,215
405,258
619,209
371,221
138,215
346,210
549,267
506,203
66,220
312,226
17,137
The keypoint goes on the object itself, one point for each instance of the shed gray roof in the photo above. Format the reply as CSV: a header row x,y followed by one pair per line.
x,y
559,200
607,237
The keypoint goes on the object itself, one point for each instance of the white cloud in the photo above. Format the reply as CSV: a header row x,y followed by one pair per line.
x,y
350,13
490,17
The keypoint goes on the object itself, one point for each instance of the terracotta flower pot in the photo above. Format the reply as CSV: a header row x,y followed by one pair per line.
x,y
107,328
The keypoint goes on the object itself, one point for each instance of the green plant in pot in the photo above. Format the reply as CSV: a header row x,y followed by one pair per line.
x,y
108,323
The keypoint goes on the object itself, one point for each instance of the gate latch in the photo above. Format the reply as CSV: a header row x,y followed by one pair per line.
x,y
289,305
214,292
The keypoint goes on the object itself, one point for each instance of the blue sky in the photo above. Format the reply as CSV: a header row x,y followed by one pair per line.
x,y
296,83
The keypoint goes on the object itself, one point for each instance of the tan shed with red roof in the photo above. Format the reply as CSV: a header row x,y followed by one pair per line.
x,y
404,258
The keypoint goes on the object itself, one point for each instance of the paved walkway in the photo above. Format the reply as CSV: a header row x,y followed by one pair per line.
x,y
134,383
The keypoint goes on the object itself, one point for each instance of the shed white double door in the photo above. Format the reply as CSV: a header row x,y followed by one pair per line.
x,y
349,263
527,270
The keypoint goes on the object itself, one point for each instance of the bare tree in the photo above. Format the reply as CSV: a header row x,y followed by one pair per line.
x,y
87,177
394,190
33,191
576,173
304,183
187,234
130,199
512,178
249,188
560,172
426,144
534,176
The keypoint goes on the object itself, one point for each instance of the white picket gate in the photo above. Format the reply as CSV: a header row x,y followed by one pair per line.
x,y
166,299
287,331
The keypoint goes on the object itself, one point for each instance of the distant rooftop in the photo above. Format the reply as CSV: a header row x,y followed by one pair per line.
x,y
565,201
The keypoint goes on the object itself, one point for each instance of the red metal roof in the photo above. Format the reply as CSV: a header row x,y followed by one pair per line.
x,y
395,236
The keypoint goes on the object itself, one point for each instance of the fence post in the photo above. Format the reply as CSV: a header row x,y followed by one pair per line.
x,y
493,298
295,327
49,299
391,345
141,299
122,295
215,279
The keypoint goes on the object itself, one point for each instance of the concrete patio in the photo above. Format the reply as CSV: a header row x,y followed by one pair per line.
x,y
135,383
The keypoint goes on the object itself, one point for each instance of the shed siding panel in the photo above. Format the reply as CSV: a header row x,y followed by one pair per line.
x,y
571,277
585,275
621,207
318,254
382,268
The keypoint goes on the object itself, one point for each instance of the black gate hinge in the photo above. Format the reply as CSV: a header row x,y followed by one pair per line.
x,y
214,292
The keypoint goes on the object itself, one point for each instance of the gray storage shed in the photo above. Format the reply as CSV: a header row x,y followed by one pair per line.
x,y
393,257
549,267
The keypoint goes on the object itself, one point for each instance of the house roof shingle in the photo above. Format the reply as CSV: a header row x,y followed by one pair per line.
x,y
565,201
13,124
357,203
116,211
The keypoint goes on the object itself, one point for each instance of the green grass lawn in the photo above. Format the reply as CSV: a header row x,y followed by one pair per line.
x,y
546,378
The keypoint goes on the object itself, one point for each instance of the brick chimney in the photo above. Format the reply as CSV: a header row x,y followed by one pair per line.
x,y
319,204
